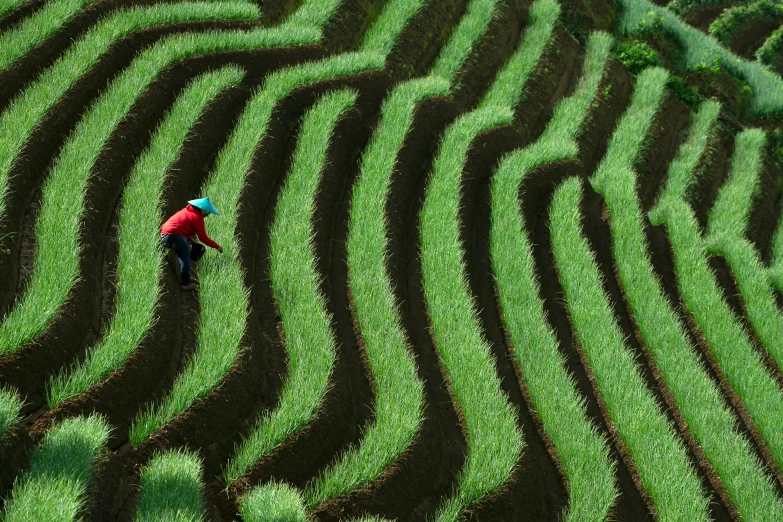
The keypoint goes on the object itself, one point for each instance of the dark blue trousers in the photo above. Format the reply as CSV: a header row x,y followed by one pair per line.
x,y
180,246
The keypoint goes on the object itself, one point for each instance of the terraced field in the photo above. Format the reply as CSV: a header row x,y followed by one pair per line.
x,y
483,260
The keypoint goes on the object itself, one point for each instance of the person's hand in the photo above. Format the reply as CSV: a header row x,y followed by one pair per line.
x,y
220,249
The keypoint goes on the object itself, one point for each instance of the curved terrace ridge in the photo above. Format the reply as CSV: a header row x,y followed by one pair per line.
x,y
706,413
223,287
140,264
728,341
553,392
659,455
398,389
465,354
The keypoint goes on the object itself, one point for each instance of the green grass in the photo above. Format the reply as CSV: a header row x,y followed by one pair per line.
x,y
273,502
10,409
728,341
27,110
37,28
769,53
385,31
6,6
582,452
171,489
709,418
724,27
659,455
726,229
55,266
53,486
472,27
306,322
703,50
141,255
465,354
775,271
222,285
399,391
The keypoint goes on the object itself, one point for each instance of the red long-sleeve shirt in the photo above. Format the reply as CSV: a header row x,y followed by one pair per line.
x,y
187,222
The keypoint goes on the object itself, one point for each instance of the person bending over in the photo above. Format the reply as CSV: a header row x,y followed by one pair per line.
x,y
179,231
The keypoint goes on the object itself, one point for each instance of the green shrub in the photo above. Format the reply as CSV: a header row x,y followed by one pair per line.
x,y
636,55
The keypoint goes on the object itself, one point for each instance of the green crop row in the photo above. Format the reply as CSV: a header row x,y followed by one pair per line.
x,y
273,502
140,259
53,486
34,30
705,411
309,340
581,451
222,284
703,50
171,489
659,455
724,27
468,33
465,354
6,6
10,409
222,281
399,392
27,110
775,271
728,341
772,49
726,229
55,266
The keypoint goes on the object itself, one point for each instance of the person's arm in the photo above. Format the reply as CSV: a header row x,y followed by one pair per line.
x,y
201,233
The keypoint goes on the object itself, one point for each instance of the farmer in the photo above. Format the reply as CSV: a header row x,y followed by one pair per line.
x,y
180,229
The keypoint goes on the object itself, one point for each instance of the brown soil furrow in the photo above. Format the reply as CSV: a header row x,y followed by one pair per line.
x,y
704,191
535,489
662,146
766,208
423,38
701,16
412,487
20,13
751,34
15,449
538,184
633,502
490,55
41,149
733,297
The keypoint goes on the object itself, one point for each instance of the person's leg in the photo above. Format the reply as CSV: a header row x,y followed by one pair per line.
x,y
181,248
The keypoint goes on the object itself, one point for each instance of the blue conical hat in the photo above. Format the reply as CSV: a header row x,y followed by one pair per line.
x,y
204,204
